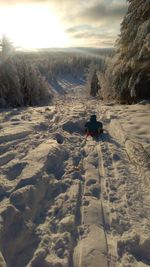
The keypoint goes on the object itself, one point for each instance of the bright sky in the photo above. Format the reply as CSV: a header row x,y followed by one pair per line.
x,y
61,23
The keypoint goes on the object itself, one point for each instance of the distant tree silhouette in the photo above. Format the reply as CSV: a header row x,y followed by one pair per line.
x,y
94,84
6,46
92,78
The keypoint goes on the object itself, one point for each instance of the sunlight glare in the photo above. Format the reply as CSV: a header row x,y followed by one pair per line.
x,y
32,26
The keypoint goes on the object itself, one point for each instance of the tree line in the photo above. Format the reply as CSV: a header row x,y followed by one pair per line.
x,y
26,77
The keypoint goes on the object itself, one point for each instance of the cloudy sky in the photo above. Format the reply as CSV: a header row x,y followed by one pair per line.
x,y
62,23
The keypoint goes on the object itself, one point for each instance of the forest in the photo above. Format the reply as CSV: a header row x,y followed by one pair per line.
x,y
26,77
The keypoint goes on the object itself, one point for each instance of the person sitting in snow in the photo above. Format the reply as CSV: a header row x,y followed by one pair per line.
x,y
93,127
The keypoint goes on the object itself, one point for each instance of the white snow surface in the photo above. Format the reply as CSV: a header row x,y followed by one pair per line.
x,y
71,201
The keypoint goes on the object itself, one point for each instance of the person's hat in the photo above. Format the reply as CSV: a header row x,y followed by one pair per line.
x,y
93,117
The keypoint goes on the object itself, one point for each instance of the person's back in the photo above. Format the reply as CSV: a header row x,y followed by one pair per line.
x,y
93,127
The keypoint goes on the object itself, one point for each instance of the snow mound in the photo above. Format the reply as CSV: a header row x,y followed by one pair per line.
x,y
75,126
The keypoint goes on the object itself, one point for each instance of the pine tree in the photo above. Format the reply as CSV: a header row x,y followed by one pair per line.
x,y
94,84
10,87
131,69
7,47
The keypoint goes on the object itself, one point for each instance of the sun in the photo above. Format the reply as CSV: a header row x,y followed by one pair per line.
x,y
32,26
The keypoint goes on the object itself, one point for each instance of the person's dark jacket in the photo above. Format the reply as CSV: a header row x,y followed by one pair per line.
x,y
93,125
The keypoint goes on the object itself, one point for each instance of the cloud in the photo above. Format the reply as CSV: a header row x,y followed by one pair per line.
x,y
94,22
92,37
99,13
87,35
97,23
102,11
80,27
13,2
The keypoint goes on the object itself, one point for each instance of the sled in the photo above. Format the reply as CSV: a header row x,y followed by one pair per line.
x,y
95,134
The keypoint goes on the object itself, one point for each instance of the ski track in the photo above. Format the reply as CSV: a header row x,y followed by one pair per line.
x,y
67,201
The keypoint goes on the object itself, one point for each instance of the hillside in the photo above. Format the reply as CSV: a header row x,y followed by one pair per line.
x,y
68,201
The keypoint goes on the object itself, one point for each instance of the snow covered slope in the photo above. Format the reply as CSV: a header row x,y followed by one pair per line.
x,y
68,201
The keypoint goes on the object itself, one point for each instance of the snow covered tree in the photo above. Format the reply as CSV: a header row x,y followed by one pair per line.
x,y
131,69
10,87
21,84
7,47
92,81
94,85
34,87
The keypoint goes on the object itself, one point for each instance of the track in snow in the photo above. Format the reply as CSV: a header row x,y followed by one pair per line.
x,y
66,201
